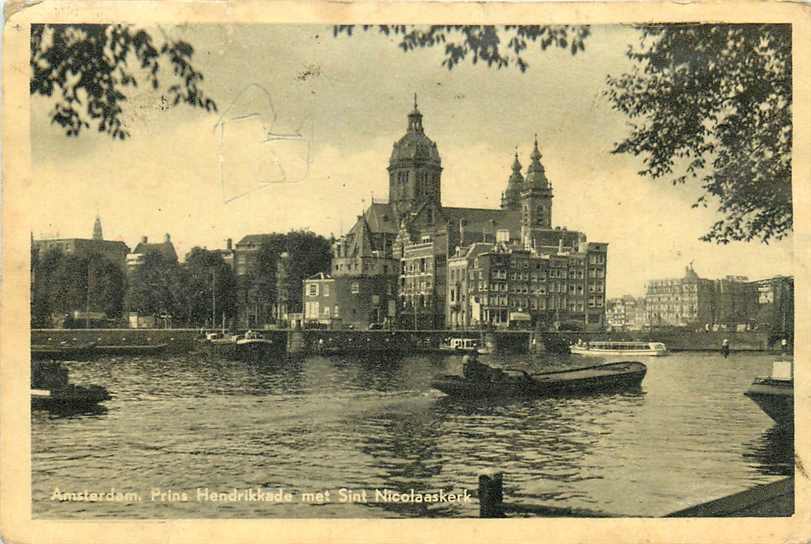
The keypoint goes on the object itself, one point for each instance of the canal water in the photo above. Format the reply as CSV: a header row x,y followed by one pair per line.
x,y
183,423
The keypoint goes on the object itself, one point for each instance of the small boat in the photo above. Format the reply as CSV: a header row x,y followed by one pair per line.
x,y
135,349
62,351
652,349
518,383
219,344
464,345
51,388
254,344
774,394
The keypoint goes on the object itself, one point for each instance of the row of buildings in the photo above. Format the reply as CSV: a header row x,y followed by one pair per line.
x,y
729,303
411,261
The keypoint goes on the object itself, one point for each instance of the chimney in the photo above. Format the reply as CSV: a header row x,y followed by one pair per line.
x,y
229,244
167,238
144,239
560,244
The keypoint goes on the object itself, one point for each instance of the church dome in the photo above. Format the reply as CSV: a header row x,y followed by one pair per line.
x,y
415,145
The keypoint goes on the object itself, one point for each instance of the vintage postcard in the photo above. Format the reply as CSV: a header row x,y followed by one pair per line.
x,y
387,272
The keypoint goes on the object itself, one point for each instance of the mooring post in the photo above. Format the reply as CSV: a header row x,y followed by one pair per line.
x,y
491,495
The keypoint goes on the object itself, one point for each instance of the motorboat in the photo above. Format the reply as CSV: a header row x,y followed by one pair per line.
x,y
62,351
774,394
254,344
219,344
464,345
51,388
519,383
602,348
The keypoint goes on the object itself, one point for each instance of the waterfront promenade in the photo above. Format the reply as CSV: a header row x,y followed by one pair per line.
x,y
336,341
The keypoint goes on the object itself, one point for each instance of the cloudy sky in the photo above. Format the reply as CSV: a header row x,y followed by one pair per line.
x,y
304,133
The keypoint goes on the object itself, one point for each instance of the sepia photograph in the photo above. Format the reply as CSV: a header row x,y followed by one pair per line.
x,y
336,269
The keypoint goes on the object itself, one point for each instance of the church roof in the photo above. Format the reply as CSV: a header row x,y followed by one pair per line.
x,y
415,145
485,220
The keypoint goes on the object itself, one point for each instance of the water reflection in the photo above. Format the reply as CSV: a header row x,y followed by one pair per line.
x,y
374,422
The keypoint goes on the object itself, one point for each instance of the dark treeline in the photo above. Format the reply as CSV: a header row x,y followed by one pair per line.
x,y
197,292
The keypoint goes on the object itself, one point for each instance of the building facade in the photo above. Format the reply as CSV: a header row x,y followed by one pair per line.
x,y
361,290
116,252
166,249
470,267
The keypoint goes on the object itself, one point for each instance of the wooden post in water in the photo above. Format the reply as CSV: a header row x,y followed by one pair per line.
x,y
491,495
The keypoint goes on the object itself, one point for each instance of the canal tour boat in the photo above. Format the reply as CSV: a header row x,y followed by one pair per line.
x,y
774,394
494,382
465,345
51,388
651,349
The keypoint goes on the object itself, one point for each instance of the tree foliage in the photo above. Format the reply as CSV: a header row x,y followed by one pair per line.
x,y
63,284
156,286
497,47
88,68
208,287
713,103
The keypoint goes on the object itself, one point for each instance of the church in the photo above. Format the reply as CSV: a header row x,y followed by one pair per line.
x,y
393,265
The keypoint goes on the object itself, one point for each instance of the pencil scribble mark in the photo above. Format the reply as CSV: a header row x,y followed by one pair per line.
x,y
261,148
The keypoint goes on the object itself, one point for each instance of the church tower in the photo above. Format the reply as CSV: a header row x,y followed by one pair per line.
x,y
511,198
97,233
415,168
536,200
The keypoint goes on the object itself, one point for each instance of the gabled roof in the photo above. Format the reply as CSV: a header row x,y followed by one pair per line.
x,y
360,239
166,249
381,218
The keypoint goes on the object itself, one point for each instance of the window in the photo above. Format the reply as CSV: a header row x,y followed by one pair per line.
x,y
326,289
312,289
337,312
375,299
355,288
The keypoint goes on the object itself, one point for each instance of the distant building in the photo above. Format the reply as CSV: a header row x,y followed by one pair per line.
x,y
680,302
729,303
626,313
116,252
166,249
259,305
362,288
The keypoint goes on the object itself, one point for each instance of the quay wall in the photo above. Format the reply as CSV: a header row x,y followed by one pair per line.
x,y
335,341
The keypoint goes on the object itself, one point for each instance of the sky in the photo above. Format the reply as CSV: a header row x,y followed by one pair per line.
x,y
304,131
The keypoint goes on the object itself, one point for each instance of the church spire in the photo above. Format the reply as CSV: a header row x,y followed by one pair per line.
x,y
415,118
97,232
536,165
516,163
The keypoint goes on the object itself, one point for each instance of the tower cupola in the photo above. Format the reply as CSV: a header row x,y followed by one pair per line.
x,y
511,197
415,168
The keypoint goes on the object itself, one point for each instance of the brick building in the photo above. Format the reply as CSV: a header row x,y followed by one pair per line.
x,y
362,287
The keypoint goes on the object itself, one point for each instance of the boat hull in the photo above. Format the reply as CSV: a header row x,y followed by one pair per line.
x,y
256,349
591,380
61,353
131,350
776,399
71,396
